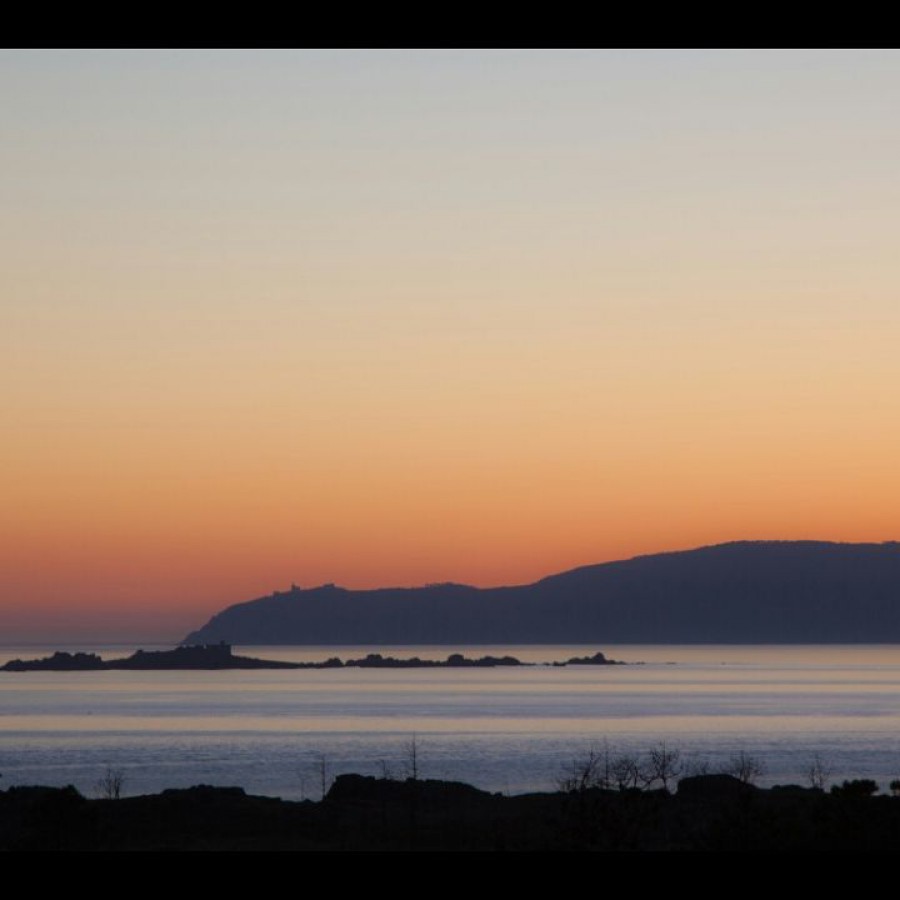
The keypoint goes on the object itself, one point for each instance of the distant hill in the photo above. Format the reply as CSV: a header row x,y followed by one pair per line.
x,y
742,592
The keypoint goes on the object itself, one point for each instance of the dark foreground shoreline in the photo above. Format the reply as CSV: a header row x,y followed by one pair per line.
x,y
706,813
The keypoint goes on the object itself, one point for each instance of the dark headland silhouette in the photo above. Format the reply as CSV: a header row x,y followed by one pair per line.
x,y
742,592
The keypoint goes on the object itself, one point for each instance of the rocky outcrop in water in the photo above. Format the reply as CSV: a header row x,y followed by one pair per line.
x,y
219,656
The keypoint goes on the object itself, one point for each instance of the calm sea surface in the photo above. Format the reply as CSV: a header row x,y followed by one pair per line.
x,y
511,730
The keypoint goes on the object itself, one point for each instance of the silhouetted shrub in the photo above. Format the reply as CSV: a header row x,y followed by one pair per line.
x,y
859,787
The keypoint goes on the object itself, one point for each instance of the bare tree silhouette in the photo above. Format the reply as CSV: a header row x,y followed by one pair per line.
x,y
818,772
412,758
745,768
664,765
109,787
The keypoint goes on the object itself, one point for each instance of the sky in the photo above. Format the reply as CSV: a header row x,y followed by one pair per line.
x,y
396,317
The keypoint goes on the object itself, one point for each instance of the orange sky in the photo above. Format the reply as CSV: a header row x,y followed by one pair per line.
x,y
393,318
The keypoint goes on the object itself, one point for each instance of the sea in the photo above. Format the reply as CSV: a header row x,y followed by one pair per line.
x,y
783,714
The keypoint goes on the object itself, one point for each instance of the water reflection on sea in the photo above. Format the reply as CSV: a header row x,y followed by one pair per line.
x,y
504,729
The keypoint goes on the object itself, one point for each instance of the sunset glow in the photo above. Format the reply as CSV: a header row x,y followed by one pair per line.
x,y
389,318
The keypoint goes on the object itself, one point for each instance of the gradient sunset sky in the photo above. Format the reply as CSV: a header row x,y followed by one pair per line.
x,y
388,318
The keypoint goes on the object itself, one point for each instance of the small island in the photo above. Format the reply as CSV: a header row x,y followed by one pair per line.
x,y
219,656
